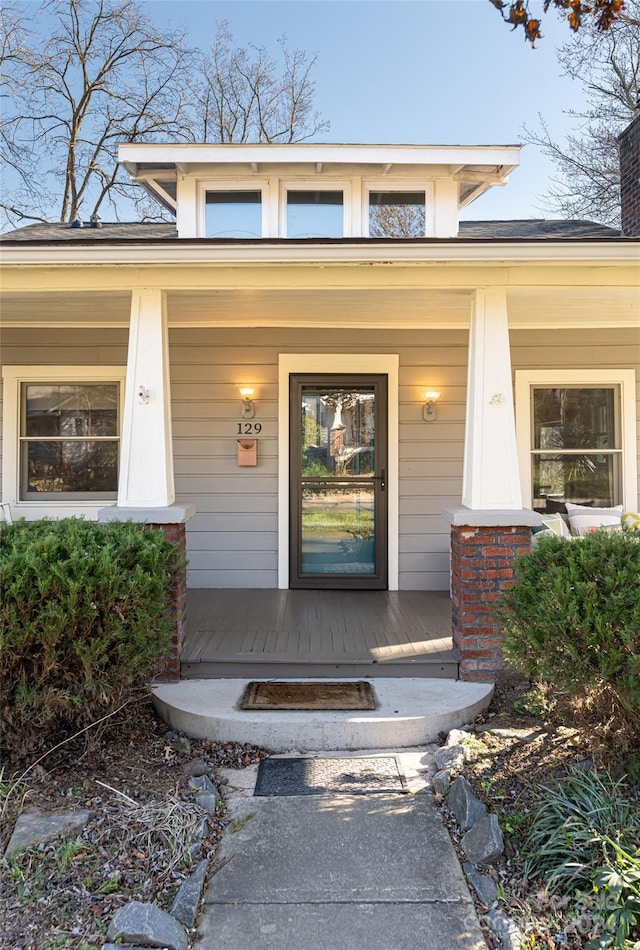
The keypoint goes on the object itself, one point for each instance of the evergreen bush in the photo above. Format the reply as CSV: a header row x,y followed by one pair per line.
x,y
84,622
573,616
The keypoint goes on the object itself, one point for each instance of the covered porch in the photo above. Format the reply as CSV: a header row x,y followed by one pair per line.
x,y
318,633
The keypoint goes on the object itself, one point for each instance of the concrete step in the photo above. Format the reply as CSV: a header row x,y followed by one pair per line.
x,y
410,712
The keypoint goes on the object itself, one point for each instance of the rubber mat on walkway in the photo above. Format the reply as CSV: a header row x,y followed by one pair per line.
x,y
334,776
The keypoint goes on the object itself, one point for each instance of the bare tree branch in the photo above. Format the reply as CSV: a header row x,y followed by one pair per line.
x,y
104,75
608,67
245,95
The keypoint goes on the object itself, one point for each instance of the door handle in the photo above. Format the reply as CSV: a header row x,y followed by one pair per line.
x,y
382,478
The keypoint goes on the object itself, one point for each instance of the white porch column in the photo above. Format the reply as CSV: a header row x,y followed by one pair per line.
x,y
491,476
146,463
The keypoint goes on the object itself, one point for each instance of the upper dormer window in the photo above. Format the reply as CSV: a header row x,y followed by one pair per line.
x,y
233,214
397,214
312,213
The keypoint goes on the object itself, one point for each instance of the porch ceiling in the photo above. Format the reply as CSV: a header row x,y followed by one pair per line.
x,y
529,307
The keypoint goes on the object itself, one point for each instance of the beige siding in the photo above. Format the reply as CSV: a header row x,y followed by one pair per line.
x,y
232,540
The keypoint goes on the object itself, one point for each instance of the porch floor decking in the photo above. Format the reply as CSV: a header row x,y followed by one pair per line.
x,y
318,633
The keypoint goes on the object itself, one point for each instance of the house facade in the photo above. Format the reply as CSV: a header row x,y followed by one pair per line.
x,y
319,376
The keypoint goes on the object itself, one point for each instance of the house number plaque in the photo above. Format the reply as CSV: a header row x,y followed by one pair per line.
x,y
249,428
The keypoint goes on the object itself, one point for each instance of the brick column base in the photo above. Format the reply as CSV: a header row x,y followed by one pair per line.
x,y
482,561
177,535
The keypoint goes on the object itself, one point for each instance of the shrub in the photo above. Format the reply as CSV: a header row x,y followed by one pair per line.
x,y
573,616
84,621
580,822
584,843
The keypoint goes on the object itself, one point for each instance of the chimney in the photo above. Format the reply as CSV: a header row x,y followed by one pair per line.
x,y
629,144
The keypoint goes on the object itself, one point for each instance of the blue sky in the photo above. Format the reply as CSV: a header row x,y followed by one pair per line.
x,y
414,71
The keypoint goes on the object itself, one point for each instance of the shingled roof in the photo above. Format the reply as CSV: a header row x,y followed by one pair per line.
x,y
485,231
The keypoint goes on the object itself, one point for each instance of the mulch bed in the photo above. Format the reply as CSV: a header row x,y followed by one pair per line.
x,y
65,892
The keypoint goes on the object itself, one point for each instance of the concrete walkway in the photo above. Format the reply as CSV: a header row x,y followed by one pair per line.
x,y
338,871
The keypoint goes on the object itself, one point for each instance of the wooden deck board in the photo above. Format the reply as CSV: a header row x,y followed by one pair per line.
x,y
314,629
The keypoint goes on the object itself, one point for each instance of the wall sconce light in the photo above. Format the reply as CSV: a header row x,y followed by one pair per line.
x,y
429,409
248,408
143,395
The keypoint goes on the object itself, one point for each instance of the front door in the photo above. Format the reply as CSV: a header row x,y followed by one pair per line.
x,y
338,437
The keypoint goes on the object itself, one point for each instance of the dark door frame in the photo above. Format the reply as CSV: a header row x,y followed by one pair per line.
x,y
379,579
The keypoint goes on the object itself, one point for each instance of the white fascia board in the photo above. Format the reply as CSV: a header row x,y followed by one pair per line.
x,y
185,252
491,155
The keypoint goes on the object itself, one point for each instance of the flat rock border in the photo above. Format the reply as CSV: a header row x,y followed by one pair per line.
x,y
481,841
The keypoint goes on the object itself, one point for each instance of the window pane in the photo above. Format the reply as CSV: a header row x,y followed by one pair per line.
x,y
587,479
233,214
314,214
79,466
397,214
78,410
574,418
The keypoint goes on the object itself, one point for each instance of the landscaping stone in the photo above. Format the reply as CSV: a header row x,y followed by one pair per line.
x,y
484,886
522,735
34,826
510,936
457,737
207,801
121,946
204,784
467,808
484,843
147,925
441,781
196,767
200,833
187,900
450,758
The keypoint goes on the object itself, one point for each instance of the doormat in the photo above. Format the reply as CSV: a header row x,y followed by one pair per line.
x,y
319,697
341,776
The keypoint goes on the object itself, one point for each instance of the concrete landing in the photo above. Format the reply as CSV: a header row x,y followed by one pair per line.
x,y
338,872
410,712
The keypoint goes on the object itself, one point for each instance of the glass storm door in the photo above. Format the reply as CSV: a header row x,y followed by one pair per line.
x,y
338,491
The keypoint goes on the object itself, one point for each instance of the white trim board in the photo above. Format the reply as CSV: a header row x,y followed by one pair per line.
x,y
366,363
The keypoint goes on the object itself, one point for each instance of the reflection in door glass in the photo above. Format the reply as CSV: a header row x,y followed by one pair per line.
x,y
337,488
338,530
338,432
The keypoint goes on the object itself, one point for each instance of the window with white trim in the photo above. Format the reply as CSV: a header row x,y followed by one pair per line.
x,y
397,214
315,213
62,429
69,440
576,434
233,214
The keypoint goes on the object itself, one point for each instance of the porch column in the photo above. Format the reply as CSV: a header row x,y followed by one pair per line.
x,y
491,478
146,491
146,461
491,528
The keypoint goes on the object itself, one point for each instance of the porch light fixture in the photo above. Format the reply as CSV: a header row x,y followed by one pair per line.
x,y
429,409
248,408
